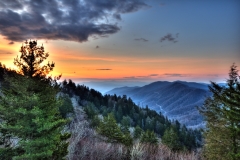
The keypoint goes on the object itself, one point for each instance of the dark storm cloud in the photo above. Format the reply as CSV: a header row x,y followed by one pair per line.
x,y
169,37
104,69
63,19
141,39
117,16
14,4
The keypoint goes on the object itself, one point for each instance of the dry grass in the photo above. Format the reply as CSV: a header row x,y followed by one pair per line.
x,y
86,144
159,152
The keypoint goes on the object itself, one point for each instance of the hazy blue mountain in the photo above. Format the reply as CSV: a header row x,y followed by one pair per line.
x,y
105,85
177,100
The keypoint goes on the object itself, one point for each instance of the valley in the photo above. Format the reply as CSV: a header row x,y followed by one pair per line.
x,y
177,100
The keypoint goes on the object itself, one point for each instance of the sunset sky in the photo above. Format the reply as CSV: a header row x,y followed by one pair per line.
x,y
127,40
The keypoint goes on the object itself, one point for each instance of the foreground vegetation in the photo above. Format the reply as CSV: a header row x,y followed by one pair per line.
x,y
86,143
42,119
222,113
31,124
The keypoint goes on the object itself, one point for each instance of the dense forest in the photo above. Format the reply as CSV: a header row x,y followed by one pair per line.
x,y
41,118
128,114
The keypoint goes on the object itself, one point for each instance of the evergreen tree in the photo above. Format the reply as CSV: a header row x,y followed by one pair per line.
x,y
95,121
222,113
30,63
125,124
149,137
32,118
137,132
145,118
171,139
90,110
66,107
29,109
109,128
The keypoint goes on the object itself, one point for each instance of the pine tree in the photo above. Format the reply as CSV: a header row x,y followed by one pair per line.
x,y
29,109
171,139
137,132
109,128
32,118
149,137
222,113
216,134
66,107
30,63
125,124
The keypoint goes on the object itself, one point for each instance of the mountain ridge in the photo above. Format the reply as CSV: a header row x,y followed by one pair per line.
x,y
177,100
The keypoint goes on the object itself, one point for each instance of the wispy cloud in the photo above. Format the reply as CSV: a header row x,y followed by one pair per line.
x,y
162,4
212,75
4,52
142,77
141,39
10,43
130,77
104,69
169,37
176,75
62,19
153,75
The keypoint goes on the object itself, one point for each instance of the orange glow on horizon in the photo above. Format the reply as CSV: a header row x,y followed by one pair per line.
x,y
84,64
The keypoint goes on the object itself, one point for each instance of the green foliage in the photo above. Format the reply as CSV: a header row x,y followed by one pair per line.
x,y
123,107
127,139
95,121
171,139
33,118
125,124
109,128
222,113
6,153
137,132
90,110
30,122
149,137
66,107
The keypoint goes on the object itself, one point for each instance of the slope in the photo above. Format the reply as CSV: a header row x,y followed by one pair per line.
x,y
177,100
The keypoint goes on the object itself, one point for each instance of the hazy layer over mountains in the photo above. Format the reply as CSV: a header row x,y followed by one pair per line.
x,y
104,86
177,100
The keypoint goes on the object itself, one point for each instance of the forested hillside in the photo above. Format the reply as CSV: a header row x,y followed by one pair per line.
x,y
38,120
128,114
43,119
117,118
177,100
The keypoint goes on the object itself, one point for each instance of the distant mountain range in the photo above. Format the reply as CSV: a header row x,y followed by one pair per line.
x,y
177,100
105,85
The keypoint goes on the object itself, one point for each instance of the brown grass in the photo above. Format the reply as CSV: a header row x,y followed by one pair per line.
x,y
86,144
